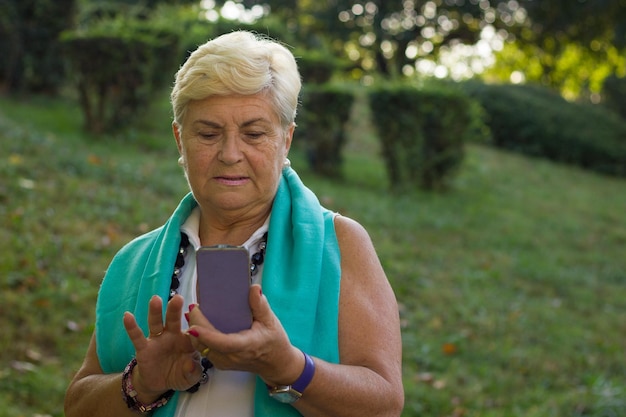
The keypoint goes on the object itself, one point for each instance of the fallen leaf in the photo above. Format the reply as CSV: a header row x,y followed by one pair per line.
x,y
72,326
34,355
436,322
22,366
15,159
426,377
94,159
449,349
26,183
439,384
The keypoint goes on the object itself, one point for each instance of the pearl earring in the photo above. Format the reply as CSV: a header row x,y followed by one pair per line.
x,y
181,161
287,163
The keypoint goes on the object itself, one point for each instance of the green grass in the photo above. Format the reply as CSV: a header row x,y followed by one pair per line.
x,y
512,284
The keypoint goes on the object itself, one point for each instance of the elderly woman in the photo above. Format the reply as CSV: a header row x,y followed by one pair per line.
x,y
325,338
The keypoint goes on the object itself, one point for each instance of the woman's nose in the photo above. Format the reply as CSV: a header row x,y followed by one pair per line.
x,y
229,152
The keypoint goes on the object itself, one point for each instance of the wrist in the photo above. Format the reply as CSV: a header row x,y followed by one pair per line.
x,y
144,393
288,373
133,399
293,392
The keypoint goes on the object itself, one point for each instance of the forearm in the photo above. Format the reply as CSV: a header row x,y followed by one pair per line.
x,y
342,391
97,396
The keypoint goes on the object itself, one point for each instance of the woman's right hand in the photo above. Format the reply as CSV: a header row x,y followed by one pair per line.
x,y
264,349
166,358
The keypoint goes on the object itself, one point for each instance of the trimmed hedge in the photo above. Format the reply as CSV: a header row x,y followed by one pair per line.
x,y
423,132
614,94
316,67
325,110
538,122
117,66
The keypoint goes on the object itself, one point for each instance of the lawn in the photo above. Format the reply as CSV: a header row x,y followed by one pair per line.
x,y
511,284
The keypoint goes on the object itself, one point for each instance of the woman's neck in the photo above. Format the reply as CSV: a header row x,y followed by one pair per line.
x,y
229,230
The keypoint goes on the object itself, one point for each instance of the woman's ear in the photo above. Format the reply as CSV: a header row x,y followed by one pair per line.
x,y
289,138
176,128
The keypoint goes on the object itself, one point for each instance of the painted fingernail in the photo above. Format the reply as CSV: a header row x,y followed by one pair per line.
x,y
193,332
191,307
260,291
187,317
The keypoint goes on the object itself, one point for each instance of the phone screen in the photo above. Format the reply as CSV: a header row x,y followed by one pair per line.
x,y
223,286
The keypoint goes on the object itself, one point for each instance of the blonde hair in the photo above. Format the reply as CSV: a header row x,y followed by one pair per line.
x,y
239,63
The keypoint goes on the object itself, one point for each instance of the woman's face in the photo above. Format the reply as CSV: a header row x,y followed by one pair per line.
x,y
234,148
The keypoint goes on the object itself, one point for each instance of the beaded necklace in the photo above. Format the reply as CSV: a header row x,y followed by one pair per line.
x,y
255,262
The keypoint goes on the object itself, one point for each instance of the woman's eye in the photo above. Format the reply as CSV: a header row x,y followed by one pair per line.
x,y
207,135
254,135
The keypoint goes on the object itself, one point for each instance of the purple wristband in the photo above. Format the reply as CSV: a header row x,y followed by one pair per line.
x,y
289,394
306,376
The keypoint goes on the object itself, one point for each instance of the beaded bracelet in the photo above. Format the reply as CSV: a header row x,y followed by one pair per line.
x,y
130,395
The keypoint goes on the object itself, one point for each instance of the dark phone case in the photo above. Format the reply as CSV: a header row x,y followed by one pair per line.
x,y
223,286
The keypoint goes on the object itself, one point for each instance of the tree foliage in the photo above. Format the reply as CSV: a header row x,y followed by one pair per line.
x,y
567,45
583,21
377,34
570,46
29,31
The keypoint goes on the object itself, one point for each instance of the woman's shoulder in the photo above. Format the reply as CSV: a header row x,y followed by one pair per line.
x,y
352,237
349,228
362,273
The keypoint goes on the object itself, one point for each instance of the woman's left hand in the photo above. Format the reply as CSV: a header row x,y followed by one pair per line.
x,y
264,349
165,359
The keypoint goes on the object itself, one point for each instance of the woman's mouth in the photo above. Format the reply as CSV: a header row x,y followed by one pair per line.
x,y
232,180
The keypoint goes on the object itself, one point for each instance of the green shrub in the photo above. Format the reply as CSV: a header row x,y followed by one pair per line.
x,y
197,31
422,132
316,67
117,65
325,110
538,122
614,94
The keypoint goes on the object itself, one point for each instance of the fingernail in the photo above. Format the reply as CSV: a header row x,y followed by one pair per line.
x,y
193,332
260,291
187,317
191,307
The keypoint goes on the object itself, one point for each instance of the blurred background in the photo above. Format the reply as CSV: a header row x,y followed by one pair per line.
x,y
481,142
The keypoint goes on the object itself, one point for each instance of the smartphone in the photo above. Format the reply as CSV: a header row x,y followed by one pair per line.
x,y
223,286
